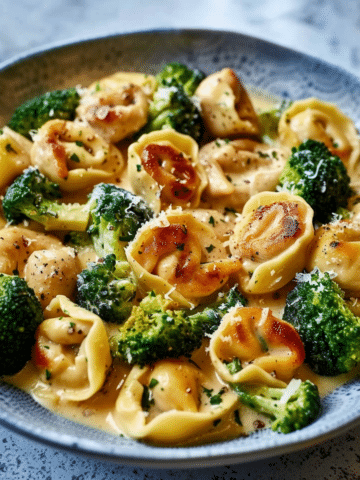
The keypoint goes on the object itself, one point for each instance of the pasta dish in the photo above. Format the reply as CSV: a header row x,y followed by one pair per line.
x,y
179,255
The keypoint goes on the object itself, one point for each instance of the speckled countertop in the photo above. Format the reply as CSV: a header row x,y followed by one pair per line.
x,y
329,29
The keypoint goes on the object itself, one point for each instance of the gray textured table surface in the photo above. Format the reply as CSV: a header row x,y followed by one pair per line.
x,y
329,29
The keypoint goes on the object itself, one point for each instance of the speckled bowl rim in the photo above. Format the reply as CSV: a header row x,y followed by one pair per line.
x,y
268,443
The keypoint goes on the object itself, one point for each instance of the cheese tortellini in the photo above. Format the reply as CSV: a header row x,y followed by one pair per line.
x,y
268,350
179,256
115,81
272,239
18,243
167,403
239,169
14,156
324,122
72,350
52,272
336,249
114,113
74,156
226,108
164,169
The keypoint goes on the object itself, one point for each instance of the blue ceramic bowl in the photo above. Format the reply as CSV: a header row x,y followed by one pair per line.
x,y
265,66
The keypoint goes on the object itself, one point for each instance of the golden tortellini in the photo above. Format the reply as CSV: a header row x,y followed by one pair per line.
x,y
324,122
266,349
74,156
14,156
115,81
178,256
52,272
167,403
226,108
271,240
72,351
114,113
164,169
336,249
239,169
18,243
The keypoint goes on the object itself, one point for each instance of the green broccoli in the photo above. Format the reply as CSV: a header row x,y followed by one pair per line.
x,y
107,288
291,408
329,330
33,196
154,331
174,74
172,105
269,121
20,315
317,176
172,108
78,240
116,216
32,114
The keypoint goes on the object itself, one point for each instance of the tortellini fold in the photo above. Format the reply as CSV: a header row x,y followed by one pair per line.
x,y
18,243
269,350
14,156
72,350
226,108
52,272
74,155
239,169
114,110
164,169
166,403
115,81
336,249
324,122
272,239
180,257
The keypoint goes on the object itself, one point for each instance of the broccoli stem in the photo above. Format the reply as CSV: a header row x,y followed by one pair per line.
x,y
73,217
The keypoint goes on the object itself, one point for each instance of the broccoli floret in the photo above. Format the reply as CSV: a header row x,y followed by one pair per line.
x,y
210,317
172,108
291,408
116,216
20,315
107,288
33,196
317,176
78,240
32,114
154,331
174,74
172,105
269,121
329,330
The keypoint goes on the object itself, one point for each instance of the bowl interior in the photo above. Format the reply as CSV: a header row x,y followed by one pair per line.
x,y
261,65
